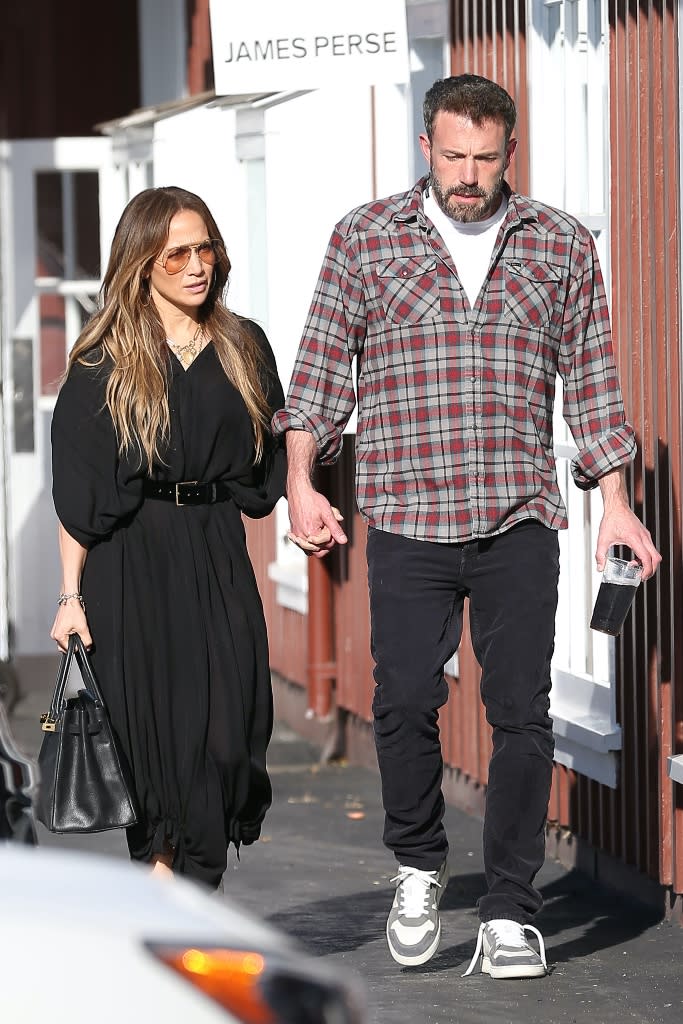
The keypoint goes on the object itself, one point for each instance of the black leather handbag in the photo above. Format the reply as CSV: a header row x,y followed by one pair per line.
x,y
84,784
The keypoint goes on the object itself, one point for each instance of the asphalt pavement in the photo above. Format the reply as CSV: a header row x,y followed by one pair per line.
x,y
321,874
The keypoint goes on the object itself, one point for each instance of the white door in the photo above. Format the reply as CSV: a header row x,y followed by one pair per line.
x,y
53,217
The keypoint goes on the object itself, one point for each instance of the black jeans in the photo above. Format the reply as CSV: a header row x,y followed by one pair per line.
x,y
417,591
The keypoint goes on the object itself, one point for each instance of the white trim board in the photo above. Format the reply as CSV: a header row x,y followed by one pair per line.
x,y
587,736
674,768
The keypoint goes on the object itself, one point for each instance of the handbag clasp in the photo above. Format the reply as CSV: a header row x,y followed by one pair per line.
x,y
48,724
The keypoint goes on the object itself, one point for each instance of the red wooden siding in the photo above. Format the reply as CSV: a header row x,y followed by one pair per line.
x,y
646,818
354,679
286,628
199,50
488,38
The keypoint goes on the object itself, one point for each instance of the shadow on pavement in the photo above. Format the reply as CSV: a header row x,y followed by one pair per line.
x,y
607,919
337,925
349,921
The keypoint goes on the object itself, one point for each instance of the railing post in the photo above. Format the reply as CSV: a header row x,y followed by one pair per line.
x,y
321,661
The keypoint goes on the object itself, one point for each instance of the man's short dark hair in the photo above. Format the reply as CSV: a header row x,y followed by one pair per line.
x,y
472,96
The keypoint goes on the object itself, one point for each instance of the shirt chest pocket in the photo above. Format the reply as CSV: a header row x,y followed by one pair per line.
x,y
409,289
531,291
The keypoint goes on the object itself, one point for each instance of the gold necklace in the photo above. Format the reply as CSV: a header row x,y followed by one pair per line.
x,y
189,351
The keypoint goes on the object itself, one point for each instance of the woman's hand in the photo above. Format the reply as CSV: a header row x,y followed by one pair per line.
x,y
70,619
314,522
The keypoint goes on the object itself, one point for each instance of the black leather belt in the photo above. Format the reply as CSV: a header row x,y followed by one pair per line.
x,y
187,492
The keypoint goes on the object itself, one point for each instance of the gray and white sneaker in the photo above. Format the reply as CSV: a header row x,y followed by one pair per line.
x,y
413,926
505,952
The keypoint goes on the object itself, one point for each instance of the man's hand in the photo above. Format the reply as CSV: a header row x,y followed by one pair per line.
x,y
620,525
314,522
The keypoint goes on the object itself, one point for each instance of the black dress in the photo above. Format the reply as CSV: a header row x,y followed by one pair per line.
x,y
180,644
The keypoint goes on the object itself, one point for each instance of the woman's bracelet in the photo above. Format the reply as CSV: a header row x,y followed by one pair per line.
x,y
63,598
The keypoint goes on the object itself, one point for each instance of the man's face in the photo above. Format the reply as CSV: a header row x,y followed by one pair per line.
x,y
467,163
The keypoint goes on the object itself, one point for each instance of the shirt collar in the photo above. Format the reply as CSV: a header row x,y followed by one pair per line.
x,y
520,208
413,208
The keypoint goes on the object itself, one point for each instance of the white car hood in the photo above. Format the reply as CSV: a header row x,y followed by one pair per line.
x,y
76,889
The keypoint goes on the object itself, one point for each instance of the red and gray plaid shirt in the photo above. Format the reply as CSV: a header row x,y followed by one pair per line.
x,y
455,405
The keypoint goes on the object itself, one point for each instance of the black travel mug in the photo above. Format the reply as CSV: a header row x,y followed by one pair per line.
x,y
620,580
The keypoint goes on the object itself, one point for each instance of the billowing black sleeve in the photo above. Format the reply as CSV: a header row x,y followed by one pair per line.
x,y
258,491
92,489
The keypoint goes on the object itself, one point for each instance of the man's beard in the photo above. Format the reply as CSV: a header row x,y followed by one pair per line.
x,y
447,199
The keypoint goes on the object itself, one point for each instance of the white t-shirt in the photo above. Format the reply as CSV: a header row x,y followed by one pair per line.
x,y
470,244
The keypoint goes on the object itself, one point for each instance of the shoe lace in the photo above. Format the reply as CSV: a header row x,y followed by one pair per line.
x,y
508,933
414,889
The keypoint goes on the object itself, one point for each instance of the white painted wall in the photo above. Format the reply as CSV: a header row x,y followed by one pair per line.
x,y
196,150
318,167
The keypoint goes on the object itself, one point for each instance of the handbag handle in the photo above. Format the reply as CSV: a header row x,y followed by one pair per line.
x,y
75,648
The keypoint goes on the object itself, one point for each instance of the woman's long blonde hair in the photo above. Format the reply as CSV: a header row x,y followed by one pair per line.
x,y
128,329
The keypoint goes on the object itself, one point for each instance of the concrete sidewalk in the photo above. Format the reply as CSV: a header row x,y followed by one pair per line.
x,y
321,874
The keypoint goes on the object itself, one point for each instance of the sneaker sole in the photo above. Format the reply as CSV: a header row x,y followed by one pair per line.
x,y
512,971
427,954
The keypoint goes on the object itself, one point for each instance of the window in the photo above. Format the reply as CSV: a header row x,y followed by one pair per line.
x,y
427,35
52,333
68,218
22,411
67,267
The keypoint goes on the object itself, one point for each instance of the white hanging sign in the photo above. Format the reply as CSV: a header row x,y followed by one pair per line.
x,y
278,45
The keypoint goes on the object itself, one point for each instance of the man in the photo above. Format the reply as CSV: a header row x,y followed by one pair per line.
x,y
461,302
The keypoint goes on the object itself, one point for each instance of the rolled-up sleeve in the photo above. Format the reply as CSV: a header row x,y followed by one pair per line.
x,y
92,489
321,395
593,405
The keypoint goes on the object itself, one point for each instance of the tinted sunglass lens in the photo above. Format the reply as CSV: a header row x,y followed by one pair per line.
x,y
178,259
207,253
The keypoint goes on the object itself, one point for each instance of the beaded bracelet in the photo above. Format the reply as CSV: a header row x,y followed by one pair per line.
x,y
63,598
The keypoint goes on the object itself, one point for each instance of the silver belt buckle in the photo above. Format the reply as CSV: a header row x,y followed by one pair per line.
x,y
183,483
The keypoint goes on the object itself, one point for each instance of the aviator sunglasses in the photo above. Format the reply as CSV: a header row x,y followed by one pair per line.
x,y
177,259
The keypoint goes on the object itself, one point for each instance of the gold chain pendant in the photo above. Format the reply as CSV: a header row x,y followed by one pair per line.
x,y
187,353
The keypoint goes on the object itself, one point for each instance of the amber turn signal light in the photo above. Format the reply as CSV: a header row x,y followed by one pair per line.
x,y
230,977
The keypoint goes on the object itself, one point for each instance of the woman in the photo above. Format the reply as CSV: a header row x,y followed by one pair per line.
x,y
165,385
